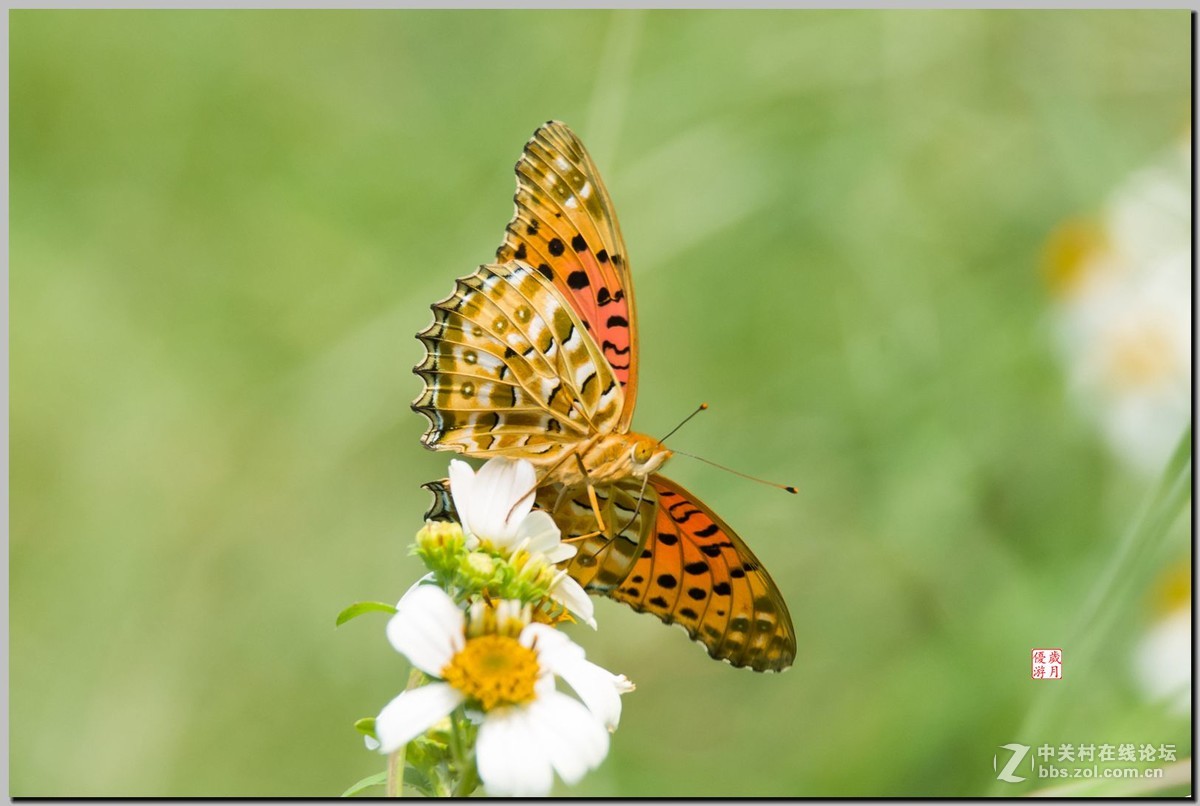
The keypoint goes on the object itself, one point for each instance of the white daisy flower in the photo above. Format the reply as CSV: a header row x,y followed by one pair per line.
x,y
528,729
1162,659
1124,318
495,507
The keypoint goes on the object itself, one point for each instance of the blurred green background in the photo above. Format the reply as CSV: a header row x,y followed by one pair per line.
x,y
227,226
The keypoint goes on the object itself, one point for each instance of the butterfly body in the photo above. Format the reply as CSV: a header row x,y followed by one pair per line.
x,y
535,357
611,457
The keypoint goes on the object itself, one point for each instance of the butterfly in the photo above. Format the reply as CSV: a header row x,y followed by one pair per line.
x,y
535,357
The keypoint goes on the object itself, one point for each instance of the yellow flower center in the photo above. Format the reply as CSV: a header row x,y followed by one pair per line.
x,y
1174,589
494,670
1068,253
1141,356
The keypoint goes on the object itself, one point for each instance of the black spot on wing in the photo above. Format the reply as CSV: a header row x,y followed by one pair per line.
x,y
578,280
608,345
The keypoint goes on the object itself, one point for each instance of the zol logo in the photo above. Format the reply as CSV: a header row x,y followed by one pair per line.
x,y
1018,755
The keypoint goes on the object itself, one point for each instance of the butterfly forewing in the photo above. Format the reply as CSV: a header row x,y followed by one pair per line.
x,y
565,227
509,370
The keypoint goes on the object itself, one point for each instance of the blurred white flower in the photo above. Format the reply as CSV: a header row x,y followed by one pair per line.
x,y
1123,319
495,506
528,729
1162,661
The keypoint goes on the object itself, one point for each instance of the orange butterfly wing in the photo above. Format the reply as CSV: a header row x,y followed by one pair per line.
x,y
566,228
696,572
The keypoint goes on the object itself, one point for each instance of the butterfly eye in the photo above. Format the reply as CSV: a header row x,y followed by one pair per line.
x,y
642,453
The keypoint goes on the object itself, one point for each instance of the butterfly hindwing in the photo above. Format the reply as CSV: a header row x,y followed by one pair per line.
x,y
565,227
602,560
510,371
693,570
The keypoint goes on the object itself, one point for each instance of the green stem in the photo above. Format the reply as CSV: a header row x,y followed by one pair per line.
x,y
395,774
464,762
398,760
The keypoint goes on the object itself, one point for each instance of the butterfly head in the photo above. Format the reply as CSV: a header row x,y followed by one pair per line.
x,y
646,454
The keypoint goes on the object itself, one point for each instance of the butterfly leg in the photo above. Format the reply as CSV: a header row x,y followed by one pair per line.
x,y
591,491
636,509
565,491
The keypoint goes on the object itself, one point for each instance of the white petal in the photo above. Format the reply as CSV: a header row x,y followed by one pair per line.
x,y
371,742
510,758
544,684
1163,660
462,489
573,597
542,533
575,740
427,578
413,712
501,497
427,628
548,642
599,689
561,552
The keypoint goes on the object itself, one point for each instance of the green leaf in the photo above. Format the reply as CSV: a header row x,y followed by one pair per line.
x,y
418,781
412,778
358,608
378,779
366,725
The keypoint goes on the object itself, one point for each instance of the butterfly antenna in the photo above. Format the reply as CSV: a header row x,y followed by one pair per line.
x,y
699,409
787,487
